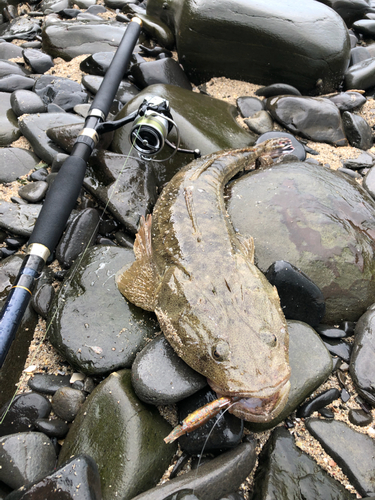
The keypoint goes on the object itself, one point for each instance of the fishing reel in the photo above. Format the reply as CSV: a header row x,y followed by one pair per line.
x,y
152,123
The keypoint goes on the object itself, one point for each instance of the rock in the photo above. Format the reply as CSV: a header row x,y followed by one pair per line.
x,y
78,475
219,476
9,129
248,106
365,27
10,83
93,342
302,198
130,452
310,365
126,186
353,451
369,182
22,413
34,191
348,101
37,60
97,63
34,128
52,428
25,457
164,71
286,472
361,75
338,348
125,92
15,162
209,34
357,130
66,403
315,118
260,122
222,432
277,89
361,367
204,123
364,160
42,299
9,50
300,298
11,68
359,54
48,383
160,377
78,236
20,28
359,417
349,10
19,219
327,331
323,399
157,30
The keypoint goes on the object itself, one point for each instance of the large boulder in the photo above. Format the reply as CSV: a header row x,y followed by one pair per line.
x,y
305,44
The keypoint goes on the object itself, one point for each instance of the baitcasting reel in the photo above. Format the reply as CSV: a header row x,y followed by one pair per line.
x,y
152,123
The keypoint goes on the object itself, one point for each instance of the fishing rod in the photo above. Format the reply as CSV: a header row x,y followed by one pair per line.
x,y
152,122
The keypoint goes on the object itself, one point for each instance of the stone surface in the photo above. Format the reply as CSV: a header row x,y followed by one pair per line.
x,y
20,414
165,71
320,401
353,451
66,403
308,209
18,219
123,436
357,130
9,129
15,162
92,341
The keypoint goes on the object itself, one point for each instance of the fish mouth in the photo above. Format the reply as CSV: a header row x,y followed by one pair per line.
x,y
262,406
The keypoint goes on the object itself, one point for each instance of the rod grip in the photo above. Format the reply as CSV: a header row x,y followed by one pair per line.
x,y
60,201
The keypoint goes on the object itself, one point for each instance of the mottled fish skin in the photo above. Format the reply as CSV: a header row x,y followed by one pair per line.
x,y
217,310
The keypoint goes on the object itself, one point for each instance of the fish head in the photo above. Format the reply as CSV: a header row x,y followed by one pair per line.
x,y
231,330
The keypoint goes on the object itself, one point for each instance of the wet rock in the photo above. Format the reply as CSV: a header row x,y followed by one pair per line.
x,y
9,129
252,30
79,474
34,191
136,431
360,76
19,219
48,383
157,30
315,118
79,234
42,300
164,71
364,160
66,403
277,89
126,186
125,92
365,27
353,451
20,28
349,10
338,348
204,123
345,396
348,101
220,476
248,106
34,128
260,122
369,182
222,432
359,54
25,457
357,130
15,162
52,428
91,341
300,298
310,364
359,417
362,368
69,39
302,198
97,64
285,472
37,60
160,377
323,399
299,149
21,415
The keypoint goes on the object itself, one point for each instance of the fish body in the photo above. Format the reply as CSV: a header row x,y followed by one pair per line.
x,y
217,310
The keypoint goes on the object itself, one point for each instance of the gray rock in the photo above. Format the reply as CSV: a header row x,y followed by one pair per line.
x,y
213,480
42,299
248,106
9,128
125,92
286,472
361,366
66,403
34,191
20,414
160,377
361,75
265,35
165,71
34,128
18,219
357,130
25,457
9,50
15,162
260,122
48,383
353,451
308,209
37,60
11,83
369,182
315,118
20,28
11,68
347,101
349,10
310,363
90,340
26,102
126,441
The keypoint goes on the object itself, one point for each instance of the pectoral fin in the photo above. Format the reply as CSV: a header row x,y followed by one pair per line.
x,y
139,281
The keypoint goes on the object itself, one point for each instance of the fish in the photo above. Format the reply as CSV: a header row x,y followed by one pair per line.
x,y
214,306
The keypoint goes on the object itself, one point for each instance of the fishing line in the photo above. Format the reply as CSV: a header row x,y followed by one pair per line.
x,y
75,268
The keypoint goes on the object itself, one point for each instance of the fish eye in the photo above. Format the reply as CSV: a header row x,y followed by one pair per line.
x,y
220,351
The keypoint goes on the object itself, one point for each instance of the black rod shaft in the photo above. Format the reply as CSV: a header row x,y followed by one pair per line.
x,y
63,194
